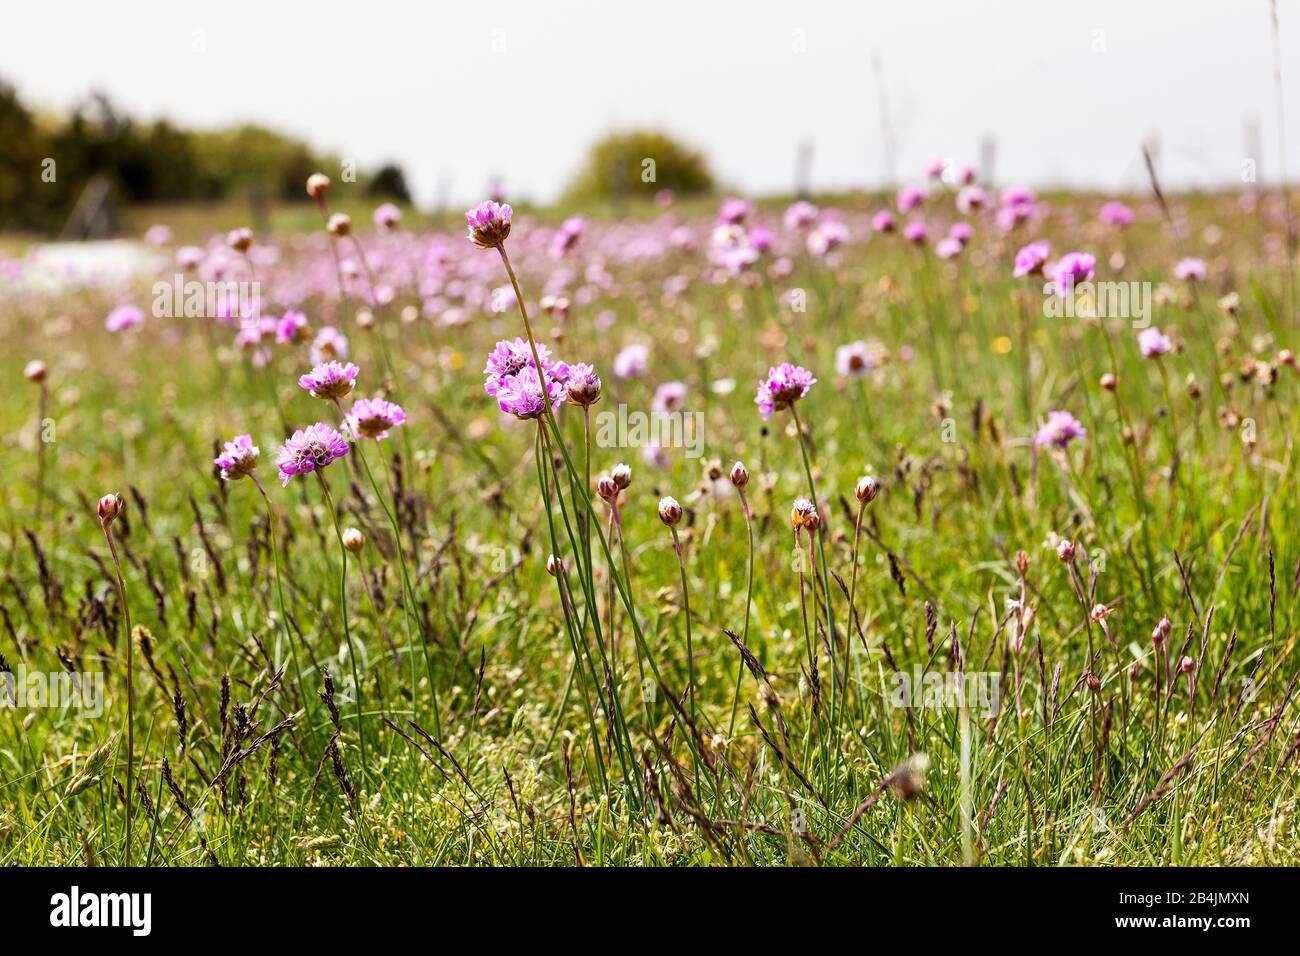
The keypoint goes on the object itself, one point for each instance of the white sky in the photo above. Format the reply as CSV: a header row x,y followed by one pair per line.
x,y
463,91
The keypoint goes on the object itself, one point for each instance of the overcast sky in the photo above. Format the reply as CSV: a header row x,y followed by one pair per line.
x,y
461,92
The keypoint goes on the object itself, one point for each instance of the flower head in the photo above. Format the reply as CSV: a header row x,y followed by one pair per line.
x,y
785,384
583,384
883,221
35,371
330,380
110,506
489,224
739,474
854,360
803,514
1190,269
1152,342
309,449
521,394
669,397
387,216
238,458
909,197
373,417
1030,259
123,317
735,211
670,512
631,361
866,490
800,215
291,328
1071,269
1116,214
1061,429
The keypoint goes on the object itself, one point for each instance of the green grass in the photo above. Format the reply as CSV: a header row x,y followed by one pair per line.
x,y
515,776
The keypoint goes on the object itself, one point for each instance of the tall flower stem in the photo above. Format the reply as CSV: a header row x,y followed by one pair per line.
x,y
303,692
690,647
343,609
749,598
130,688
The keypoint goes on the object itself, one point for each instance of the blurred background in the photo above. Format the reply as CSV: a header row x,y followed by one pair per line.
x,y
113,116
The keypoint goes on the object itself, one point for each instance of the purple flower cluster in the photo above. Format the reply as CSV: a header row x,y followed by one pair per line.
x,y
1061,429
238,458
510,377
489,223
785,384
373,417
309,449
330,380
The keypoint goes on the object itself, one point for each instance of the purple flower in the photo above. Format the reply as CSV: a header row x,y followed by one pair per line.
x,y
1030,259
238,458
1116,214
1061,429
669,397
329,344
583,384
785,384
961,231
1071,269
854,360
934,167
1151,342
909,197
387,216
883,221
567,236
734,211
760,238
1017,196
947,248
309,449
1190,269
122,318
489,223
521,394
509,358
971,198
631,361
330,380
291,328
373,417
829,235
914,231
800,215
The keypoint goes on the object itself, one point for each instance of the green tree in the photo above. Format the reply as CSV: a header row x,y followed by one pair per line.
x,y
640,163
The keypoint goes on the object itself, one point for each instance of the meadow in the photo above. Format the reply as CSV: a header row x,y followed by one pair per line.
x,y
947,527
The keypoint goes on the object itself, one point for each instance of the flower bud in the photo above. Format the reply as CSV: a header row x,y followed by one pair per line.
x,y
1093,681
1286,357
739,475
340,224
803,514
1022,562
35,371
1134,669
622,476
110,506
1187,664
318,184
1161,631
867,489
554,565
240,239
670,512
607,488
1108,382
1065,550
353,539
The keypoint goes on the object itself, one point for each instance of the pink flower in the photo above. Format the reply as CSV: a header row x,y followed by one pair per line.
x,y
970,199
631,361
122,318
669,397
734,211
1151,342
1060,430
1030,259
1190,269
915,231
883,221
329,380
489,224
961,231
947,248
373,417
854,360
800,215
909,197
785,384
309,449
1071,269
1116,214
521,395
387,216
238,458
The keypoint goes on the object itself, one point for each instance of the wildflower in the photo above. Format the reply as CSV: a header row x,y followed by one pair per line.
x,y
521,394
308,450
800,215
1230,303
291,328
934,167
110,506
1190,269
670,512
1116,214
739,475
760,238
1065,550
1186,664
35,371
240,239
915,231
631,361
622,475
733,211
854,360
803,514
489,224
329,344
1061,429
961,231
1071,269
785,384
606,488
947,248
1161,631
373,417
318,184
353,539
827,237
340,224
387,216
509,358
554,565
330,380
1030,259
1151,342
1108,382
669,397
238,458
970,199
909,197
123,317
883,221
583,385
866,490
567,236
